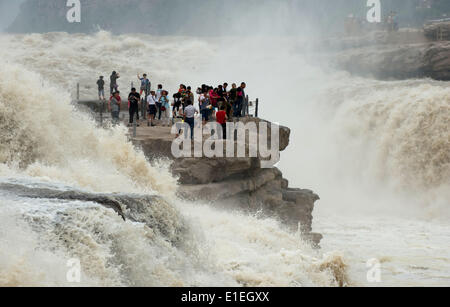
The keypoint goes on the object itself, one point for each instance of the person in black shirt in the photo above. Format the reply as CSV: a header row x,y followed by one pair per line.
x,y
242,97
113,82
133,105
101,88
225,88
177,100
238,104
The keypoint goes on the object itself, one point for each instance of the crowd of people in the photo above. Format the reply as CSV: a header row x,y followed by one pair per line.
x,y
220,103
391,22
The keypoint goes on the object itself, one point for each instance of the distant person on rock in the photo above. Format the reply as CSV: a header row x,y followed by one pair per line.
x,y
152,109
221,94
232,97
205,107
395,21
188,96
220,91
158,98
189,116
182,89
225,88
201,97
146,85
244,105
214,97
237,107
221,118
165,109
223,100
114,107
133,106
177,103
113,82
145,88
101,88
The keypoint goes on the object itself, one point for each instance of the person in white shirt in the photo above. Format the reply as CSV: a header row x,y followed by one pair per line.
x,y
151,100
189,116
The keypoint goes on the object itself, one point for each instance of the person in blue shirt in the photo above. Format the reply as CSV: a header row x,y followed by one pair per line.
x,y
165,108
146,85
145,88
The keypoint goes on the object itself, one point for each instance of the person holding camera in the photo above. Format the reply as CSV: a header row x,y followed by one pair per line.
x,y
133,106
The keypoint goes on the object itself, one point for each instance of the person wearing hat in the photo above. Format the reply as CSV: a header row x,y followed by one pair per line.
x,y
101,88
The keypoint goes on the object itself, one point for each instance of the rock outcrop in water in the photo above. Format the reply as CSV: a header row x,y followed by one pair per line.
x,y
151,210
438,30
401,55
238,183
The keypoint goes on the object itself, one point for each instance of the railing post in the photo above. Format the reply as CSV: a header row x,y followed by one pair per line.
x,y
257,107
248,107
143,109
78,91
102,106
134,126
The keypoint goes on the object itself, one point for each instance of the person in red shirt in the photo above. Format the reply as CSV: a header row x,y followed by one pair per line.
x,y
214,96
221,118
114,107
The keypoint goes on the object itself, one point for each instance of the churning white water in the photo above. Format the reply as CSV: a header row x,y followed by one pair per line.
x,y
376,152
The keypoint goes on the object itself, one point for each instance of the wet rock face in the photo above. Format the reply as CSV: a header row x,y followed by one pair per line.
x,y
387,62
262,191
209,170
438,60
239,183
151,210
401,55
399,62
437,31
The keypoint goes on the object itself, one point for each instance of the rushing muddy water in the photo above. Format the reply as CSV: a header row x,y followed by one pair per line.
x,y
376,152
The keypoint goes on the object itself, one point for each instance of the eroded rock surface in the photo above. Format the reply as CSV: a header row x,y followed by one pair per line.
x,y
238,183
400,55
151,210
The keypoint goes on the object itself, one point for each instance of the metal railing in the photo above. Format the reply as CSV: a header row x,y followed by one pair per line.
x,y
248,104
